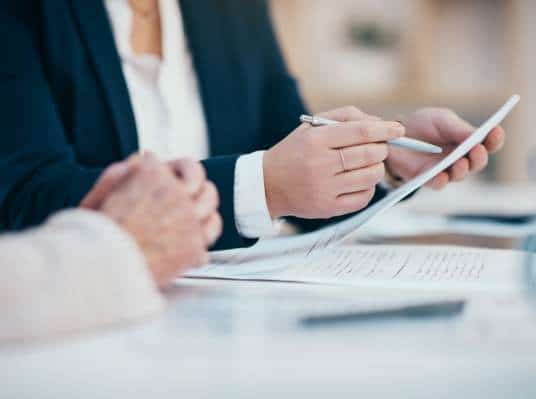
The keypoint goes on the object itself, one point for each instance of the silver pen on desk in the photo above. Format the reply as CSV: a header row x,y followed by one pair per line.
x,y
419,311
404,142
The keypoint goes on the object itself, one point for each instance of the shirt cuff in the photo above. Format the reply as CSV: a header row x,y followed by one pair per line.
x,y
253,219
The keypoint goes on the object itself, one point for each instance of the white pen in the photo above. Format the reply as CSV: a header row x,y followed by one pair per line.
x,y
404,142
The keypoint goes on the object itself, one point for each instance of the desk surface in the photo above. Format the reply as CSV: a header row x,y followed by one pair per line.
x,y
233,339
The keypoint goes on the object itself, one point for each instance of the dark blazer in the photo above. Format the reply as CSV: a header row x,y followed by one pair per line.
x,y
65,110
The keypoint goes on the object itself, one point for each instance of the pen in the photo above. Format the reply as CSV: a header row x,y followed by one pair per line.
x,y
438,309
404,142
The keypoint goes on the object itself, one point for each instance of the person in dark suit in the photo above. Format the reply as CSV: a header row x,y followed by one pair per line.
x,y
84,84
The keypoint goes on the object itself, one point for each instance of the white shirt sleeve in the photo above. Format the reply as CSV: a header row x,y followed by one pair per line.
x,y
253,219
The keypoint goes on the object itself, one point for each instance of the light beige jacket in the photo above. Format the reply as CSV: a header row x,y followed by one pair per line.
x,y
78,271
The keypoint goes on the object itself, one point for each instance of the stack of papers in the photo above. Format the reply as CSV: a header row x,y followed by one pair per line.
x,y
322,258
416,267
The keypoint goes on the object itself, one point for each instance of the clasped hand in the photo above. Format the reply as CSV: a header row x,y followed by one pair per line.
x,y
170,210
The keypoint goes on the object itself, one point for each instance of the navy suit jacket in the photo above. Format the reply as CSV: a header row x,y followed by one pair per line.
x,y
65,110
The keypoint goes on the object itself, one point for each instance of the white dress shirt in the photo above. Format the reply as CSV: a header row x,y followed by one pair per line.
x,y
169,115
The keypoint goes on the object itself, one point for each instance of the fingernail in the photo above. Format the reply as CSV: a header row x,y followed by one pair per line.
x,y
397,129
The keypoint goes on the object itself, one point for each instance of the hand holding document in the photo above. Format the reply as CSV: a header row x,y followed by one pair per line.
x,y
313,258
348,229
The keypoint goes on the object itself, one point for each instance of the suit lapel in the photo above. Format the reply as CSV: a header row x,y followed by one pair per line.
x,y
97,34
218,71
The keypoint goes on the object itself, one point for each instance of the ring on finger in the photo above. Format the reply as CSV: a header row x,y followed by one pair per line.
x,y
343,160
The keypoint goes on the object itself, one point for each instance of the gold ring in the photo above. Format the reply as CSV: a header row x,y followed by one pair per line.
x,y
343,161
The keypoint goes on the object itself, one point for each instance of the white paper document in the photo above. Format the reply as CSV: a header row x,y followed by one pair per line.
x,y
384,266
348,229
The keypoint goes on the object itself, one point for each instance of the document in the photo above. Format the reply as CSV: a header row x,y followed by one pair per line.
x,y
348,229
420,267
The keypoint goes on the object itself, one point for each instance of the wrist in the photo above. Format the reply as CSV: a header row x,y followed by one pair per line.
x,y
252,216
275,198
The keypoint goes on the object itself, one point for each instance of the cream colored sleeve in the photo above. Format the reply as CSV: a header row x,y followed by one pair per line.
x,y
78,271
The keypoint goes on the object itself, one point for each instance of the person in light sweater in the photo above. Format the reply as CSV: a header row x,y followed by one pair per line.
x,y
104,262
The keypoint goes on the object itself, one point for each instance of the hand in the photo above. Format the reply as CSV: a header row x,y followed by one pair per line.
x,y
304,174
149,202
447,130
204,194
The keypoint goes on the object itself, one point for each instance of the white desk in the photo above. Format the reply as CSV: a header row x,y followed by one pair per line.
x,y
234,340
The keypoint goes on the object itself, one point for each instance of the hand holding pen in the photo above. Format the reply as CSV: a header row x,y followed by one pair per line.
x,y
319,172
327,171
404,142
413,154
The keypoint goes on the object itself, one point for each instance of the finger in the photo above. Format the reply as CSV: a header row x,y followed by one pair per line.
x,y
192,172
149,156
147,160
207,201
163,193
212,228
353,202
135,158
360,156
451,127
439,182
495,140
345,114
478,158
359,180
144,182
108,181
459,170
355,133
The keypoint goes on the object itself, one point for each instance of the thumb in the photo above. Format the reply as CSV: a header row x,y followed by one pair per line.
x,y
191,172
109,179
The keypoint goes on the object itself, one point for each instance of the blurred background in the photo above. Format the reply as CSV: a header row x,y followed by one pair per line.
x,y
388,57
